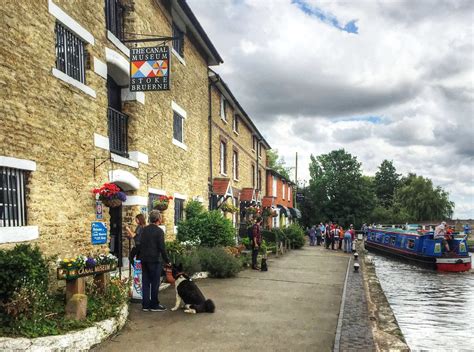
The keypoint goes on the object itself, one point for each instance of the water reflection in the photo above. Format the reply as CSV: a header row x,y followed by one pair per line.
x,y
434,310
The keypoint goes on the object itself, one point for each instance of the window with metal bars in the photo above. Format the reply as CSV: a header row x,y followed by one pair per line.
x,y
70,53
178,210
178,127
178,42
118,132
12,197
114,13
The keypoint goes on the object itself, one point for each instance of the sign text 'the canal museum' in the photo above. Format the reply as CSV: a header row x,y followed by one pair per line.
x,y
149,69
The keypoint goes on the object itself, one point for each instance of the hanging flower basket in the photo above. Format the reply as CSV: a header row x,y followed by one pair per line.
x,y
110,194
162,203
229,208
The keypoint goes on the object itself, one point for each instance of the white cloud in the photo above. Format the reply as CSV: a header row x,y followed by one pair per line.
x,y
307,84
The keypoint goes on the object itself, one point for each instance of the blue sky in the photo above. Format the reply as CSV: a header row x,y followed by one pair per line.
x,y
326,17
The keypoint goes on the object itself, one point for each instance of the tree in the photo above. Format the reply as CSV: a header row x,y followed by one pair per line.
x,y
339,191
421,200
386,182
277,163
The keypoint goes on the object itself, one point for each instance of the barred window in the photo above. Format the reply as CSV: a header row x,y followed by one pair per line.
x,y
70,53
178,210
178,127
12,197
178,42
114,11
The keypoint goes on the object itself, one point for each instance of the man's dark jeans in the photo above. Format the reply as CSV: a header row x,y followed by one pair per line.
x,y
254,257
150,284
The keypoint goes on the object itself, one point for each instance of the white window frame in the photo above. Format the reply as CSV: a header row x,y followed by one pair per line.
x,y
223,157
223,109
14,234
235,164
274,186
283,190
181,112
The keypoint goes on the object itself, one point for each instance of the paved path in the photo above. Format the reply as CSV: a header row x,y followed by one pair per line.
x,y
292,307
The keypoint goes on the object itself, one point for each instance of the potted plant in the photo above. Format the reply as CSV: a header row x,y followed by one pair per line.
x,y
228,208
110,194
162,202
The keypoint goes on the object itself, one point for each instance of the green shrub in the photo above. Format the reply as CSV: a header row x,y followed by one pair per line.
x,y
193,209
218,262
270,236
190,260
19,264
174,249
279,234
295,234
246,242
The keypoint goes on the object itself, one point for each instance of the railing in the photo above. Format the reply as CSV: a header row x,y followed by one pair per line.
x,y
114,11
118,132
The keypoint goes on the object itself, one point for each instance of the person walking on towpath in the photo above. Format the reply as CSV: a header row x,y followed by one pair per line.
x,y
348,241
312,235
318,235
152,247
256,242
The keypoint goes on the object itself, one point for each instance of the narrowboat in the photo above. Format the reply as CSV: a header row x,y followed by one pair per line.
x,y
420,247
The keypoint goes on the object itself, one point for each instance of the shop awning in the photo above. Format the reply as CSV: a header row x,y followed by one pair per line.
x,y
284,210
295,212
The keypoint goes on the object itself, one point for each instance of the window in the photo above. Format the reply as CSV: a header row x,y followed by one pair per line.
x,y
223,158
282,190
274,186
12,197
70,53
259,149
223,108
178,42
254,143
235,124
117,121
411,244
114,11
289,192
253,176
259,179
235,164
386,239
178,127
392,240
178,210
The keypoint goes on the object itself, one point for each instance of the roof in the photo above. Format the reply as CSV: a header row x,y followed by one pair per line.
x,y
197,30
220,186
247,195
225,90
276,173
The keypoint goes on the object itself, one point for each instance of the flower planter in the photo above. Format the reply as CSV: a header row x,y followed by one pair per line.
x,y
112,203
161,207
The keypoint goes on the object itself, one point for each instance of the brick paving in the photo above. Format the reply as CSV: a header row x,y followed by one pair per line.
x,y
356,334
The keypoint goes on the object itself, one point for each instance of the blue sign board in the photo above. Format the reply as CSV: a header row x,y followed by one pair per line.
x,y
98,232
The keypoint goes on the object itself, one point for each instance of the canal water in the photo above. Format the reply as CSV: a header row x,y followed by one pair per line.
x,y
435,311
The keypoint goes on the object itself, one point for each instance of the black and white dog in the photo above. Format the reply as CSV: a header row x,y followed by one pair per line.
x,y
189,295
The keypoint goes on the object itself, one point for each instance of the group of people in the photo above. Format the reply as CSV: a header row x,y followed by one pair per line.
x,y
333,236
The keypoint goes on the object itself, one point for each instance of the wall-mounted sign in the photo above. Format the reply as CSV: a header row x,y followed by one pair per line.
x,y
299,197
98,232
149,69
99,210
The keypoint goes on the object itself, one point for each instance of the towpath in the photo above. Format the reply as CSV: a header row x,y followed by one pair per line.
x,y
293,307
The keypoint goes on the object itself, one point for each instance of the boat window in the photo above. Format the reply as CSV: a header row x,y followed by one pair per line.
x,y
392,240
411,244
386,239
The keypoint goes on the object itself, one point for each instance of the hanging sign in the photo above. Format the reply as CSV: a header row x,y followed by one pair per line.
x,y
98,232
99,210
149,69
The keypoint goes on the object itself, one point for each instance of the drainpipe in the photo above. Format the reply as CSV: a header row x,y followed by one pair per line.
x,y
209,91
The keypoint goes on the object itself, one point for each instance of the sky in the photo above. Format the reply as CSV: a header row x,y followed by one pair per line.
x,y
382,79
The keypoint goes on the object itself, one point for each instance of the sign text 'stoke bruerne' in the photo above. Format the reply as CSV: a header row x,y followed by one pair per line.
x,y
149,69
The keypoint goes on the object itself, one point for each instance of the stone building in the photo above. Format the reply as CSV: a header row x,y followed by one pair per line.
x,y
71,123
238,152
